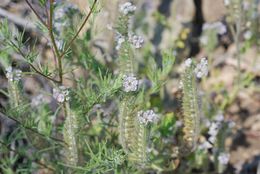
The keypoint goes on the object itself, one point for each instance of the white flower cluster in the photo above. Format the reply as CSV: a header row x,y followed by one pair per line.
x,y
130,83
215,127
201,69
223,158
205,145
127,8
61,94
38,100
218,26
137,41
248,35
145,117
119,40
13,74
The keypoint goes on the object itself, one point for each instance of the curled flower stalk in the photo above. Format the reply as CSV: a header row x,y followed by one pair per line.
x,y
14,76
69,133
127,124
61,94
139,148
190,103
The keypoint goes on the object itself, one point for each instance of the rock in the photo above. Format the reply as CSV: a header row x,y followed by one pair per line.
x,y
182,11
213,10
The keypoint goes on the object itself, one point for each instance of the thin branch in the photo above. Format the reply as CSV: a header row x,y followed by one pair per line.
x,y
31,129
79,30
26,156
34,11
54,42
32,66
47,77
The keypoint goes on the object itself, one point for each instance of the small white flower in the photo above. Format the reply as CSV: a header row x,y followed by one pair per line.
x,y
119,40
61,94
205,145
130,83
213,129
127,8
180,85
248,35
201,69
145,117
219,117
137,41
188,62
221,28
223,158
13,74
212,139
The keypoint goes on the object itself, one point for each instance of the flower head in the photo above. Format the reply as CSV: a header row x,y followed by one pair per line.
x,y
219,117
61,94
137,41
223,158
145,117
188,62
119,40
127,8
202,68
248,35
205,145
13,74
130,83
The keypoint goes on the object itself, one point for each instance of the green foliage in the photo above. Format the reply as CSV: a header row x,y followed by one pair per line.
x,y
95,128
157,75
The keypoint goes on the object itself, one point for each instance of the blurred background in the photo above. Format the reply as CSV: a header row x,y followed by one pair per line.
x,y
189,28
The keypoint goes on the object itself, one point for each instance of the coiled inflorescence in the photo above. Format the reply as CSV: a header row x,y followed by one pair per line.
x,y
190,103
14,76
69,133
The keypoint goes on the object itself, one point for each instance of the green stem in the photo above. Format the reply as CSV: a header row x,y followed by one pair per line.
x,y
31,65
56,51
